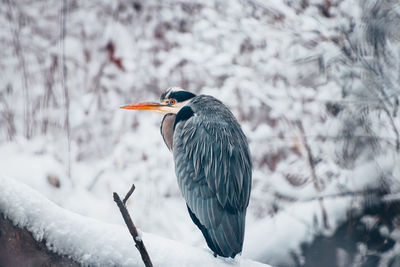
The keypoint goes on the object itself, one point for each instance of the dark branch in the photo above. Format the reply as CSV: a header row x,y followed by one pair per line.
x,y
128,195
132,229
310,157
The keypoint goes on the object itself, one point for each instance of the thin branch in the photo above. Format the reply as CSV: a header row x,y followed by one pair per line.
x,y
313,173
344,194
131,226
64,83
95,180
310,157
18,50
128,195
324,213
396,132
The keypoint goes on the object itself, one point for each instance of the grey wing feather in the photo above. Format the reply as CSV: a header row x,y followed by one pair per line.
x,y
213,168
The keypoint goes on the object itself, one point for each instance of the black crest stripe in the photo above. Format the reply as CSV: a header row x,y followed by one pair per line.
x,y
184,114
181,96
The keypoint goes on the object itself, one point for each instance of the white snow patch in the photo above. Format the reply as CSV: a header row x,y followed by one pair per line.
x,y
92,242
273,239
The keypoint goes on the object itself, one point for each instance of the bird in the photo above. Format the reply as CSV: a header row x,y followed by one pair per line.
x,y
212,164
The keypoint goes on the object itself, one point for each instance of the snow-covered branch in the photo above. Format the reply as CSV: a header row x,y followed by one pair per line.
x,y
91,242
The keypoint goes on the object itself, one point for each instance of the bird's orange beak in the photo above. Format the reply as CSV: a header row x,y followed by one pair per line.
x,y
144,106
151,106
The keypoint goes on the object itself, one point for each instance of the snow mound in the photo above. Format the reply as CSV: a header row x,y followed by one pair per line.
x,y
92,242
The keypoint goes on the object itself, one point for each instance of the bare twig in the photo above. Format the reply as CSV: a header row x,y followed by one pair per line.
x,y
310,157
324,213
95,180
361,193
8,116
19,52
64,83
311,163
395,130
131,226
128,195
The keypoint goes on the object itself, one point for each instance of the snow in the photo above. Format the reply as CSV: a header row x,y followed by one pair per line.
x,y
273,240
92,242
275,64
138,238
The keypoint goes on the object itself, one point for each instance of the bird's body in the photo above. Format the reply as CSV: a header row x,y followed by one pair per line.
x,y
212,165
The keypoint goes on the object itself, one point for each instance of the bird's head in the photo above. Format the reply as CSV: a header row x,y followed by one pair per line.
x,y
171,101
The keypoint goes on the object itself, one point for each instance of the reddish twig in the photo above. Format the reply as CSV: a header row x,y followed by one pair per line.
x,y
131,226
313,173
310,157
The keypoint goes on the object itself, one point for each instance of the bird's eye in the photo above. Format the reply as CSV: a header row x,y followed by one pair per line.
x,y
172,101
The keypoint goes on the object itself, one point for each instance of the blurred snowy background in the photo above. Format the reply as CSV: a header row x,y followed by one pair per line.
x,y
314,84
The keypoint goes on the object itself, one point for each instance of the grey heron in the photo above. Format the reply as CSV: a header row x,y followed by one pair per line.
x,y
212,164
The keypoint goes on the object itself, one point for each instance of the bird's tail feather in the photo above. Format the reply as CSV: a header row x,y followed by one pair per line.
x,y
227,239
